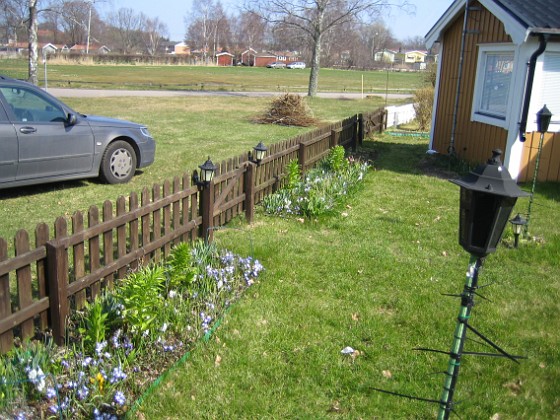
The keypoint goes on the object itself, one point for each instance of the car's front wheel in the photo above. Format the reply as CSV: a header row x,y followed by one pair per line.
x,y
119,163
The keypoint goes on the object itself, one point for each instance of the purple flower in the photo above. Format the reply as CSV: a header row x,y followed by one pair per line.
x,y
119,398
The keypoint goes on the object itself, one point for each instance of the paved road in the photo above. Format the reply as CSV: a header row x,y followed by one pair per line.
x,y
94,93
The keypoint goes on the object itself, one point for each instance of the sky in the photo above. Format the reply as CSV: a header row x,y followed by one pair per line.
x,y
173,12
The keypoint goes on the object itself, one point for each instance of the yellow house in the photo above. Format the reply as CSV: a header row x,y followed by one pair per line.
x,y
415,56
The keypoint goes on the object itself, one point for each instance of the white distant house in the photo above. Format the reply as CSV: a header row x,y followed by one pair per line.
x,y
385,56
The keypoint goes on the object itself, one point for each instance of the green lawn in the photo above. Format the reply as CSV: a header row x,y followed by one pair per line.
x,y
213,78
372,277
186,130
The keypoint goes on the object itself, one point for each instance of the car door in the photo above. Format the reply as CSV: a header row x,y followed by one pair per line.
x,y
8,148
47,145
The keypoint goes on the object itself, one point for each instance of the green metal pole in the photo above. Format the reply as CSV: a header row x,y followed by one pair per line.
x,y
452,373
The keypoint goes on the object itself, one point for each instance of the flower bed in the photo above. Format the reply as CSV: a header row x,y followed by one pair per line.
x,y
125,339
321,191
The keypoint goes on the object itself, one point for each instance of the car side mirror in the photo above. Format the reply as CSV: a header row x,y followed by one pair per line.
x,y
71,119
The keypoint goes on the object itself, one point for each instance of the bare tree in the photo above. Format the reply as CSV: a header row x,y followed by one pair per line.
x,y
414,43
250,30
13,18
75,20
316,18
127,24
199,32
153,31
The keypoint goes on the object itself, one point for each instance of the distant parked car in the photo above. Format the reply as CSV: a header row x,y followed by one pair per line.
x,y
43,140
276,65
296,65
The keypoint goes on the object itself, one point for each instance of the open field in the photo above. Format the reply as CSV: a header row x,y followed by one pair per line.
x,y
186,130
372,277
166,77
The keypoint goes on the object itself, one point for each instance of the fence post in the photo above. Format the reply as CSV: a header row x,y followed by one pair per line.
x,y
333,140
6,339
301,157
249,191
361,129
207,211
57,269
355,133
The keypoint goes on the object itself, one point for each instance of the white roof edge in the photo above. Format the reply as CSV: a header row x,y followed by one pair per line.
x,y
513,28
443,22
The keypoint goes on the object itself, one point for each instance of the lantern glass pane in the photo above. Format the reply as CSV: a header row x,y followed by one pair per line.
x,y
207,175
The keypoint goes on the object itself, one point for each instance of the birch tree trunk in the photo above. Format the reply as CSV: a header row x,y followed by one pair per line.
x,y
33,44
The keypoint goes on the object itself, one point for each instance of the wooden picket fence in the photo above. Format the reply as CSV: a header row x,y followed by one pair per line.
x,y
42,283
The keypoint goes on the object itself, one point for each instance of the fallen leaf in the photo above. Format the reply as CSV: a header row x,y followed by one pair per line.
x,y
356,354
344,214
335,407
496,417
218,360
355,317
387,374
444,253
301,220
514,387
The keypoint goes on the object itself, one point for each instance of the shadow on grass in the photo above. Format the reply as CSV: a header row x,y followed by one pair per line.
x,y
31,190
408,156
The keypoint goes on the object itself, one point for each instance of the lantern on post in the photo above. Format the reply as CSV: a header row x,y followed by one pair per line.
x,y
488,195
207,170
206,188
543,121
517,224
259,153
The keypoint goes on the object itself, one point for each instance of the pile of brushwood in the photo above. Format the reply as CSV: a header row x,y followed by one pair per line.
x,y
288,109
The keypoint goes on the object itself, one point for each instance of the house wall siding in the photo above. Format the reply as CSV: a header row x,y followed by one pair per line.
x,y
549,164
474,141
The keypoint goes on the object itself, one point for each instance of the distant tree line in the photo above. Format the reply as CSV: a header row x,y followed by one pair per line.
x,y
344,33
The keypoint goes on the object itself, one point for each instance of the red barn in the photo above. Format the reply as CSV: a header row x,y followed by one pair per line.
x,y
224,59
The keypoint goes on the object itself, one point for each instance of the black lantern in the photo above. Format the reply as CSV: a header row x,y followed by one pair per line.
x,y
517,224
543,119
488,195
260,152
207,170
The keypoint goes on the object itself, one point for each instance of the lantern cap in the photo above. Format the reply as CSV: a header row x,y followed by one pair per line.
x,y
491,178
208,165
260,147
543,119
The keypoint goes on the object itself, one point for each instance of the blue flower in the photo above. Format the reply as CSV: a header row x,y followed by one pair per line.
x,y
119,398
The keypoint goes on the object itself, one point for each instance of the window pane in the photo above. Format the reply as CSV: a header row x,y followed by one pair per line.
x,y
497,77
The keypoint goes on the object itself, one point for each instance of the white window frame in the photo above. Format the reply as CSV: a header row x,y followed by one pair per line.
x,y
476,113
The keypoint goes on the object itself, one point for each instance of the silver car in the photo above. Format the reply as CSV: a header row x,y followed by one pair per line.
x,y
43,140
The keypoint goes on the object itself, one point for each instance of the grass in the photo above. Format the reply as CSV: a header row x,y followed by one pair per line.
x,y
186,130
371,278
169,77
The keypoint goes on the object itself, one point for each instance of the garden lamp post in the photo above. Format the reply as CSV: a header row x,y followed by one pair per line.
x,y
543,121
488,195
517,224
207,170
206,188
260,152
